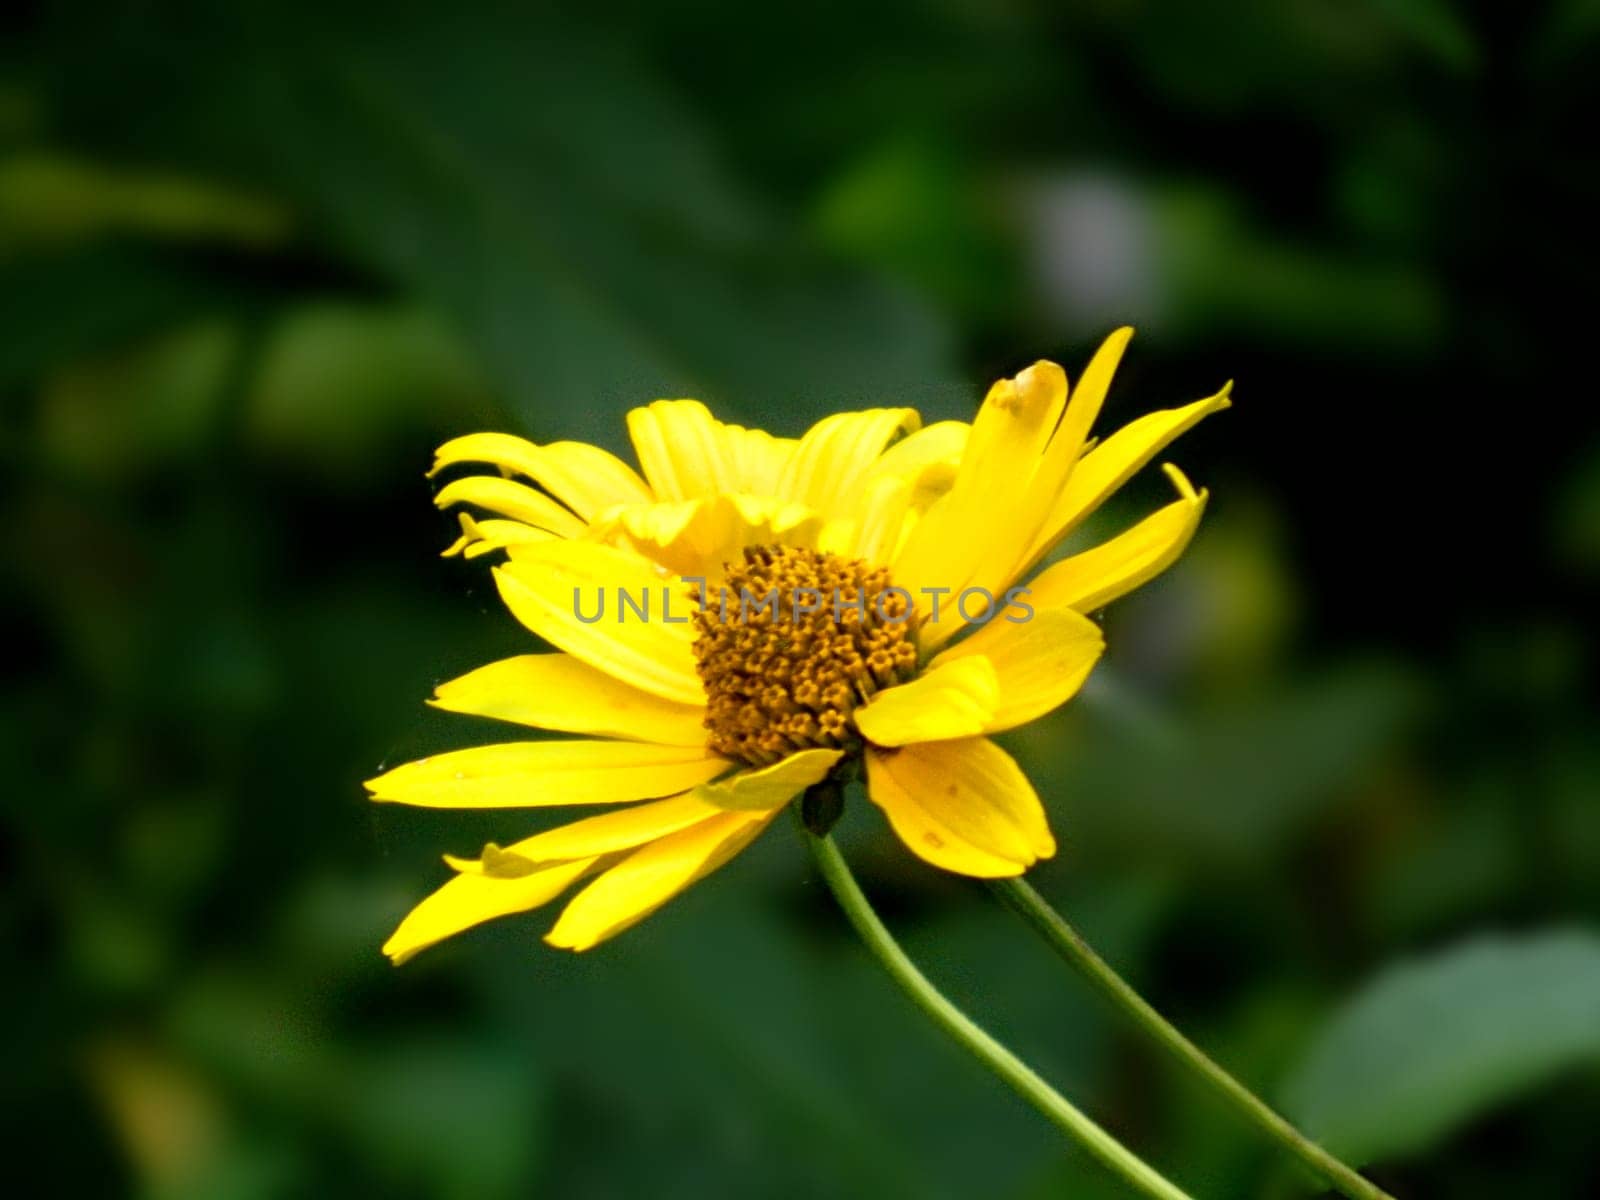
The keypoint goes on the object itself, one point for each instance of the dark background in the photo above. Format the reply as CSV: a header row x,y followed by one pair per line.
x,y
1332,800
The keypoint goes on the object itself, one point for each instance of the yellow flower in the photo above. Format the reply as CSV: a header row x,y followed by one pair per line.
x,y
896,643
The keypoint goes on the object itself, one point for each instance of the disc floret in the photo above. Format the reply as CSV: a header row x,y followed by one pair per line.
x,y
791,642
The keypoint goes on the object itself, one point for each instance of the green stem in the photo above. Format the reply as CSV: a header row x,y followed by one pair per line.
x,y
1068,942
1123,1162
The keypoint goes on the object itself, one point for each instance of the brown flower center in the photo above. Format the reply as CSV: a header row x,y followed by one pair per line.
x,y
791,642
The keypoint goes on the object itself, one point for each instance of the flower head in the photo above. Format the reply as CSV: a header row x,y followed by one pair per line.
x,y
756,615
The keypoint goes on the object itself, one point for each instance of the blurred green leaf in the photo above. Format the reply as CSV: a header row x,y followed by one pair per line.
x,y
339,384
1569,26
1575,515
436,1110
134,412
1433,25
1296,58
1228,275
1466,863
1232,785
916,210
552,195
50,198
1430,1044
101,297
450,1116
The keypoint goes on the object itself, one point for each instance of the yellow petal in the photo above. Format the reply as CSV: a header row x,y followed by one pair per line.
x,y
1066,445
978,522
591,837
770,787
696,538
472,899
1037,497
903,484
557,691
758,458
496,862
681,449
484,537
963,805
539,774
656,528
1017,419
572,595
885,507
935,447
1096,577
1039,663
828,468
954,700
585,478
1114,461
773,518
648,878
511,499
838,536
512,454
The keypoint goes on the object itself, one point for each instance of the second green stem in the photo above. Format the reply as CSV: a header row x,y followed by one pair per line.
x,y
1007,1066
1021,898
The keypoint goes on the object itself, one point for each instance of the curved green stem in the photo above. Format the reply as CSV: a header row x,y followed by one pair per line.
x,y
1020,896
1022,1079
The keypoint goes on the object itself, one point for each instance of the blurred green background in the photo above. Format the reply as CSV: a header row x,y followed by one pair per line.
x,y
1333,800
